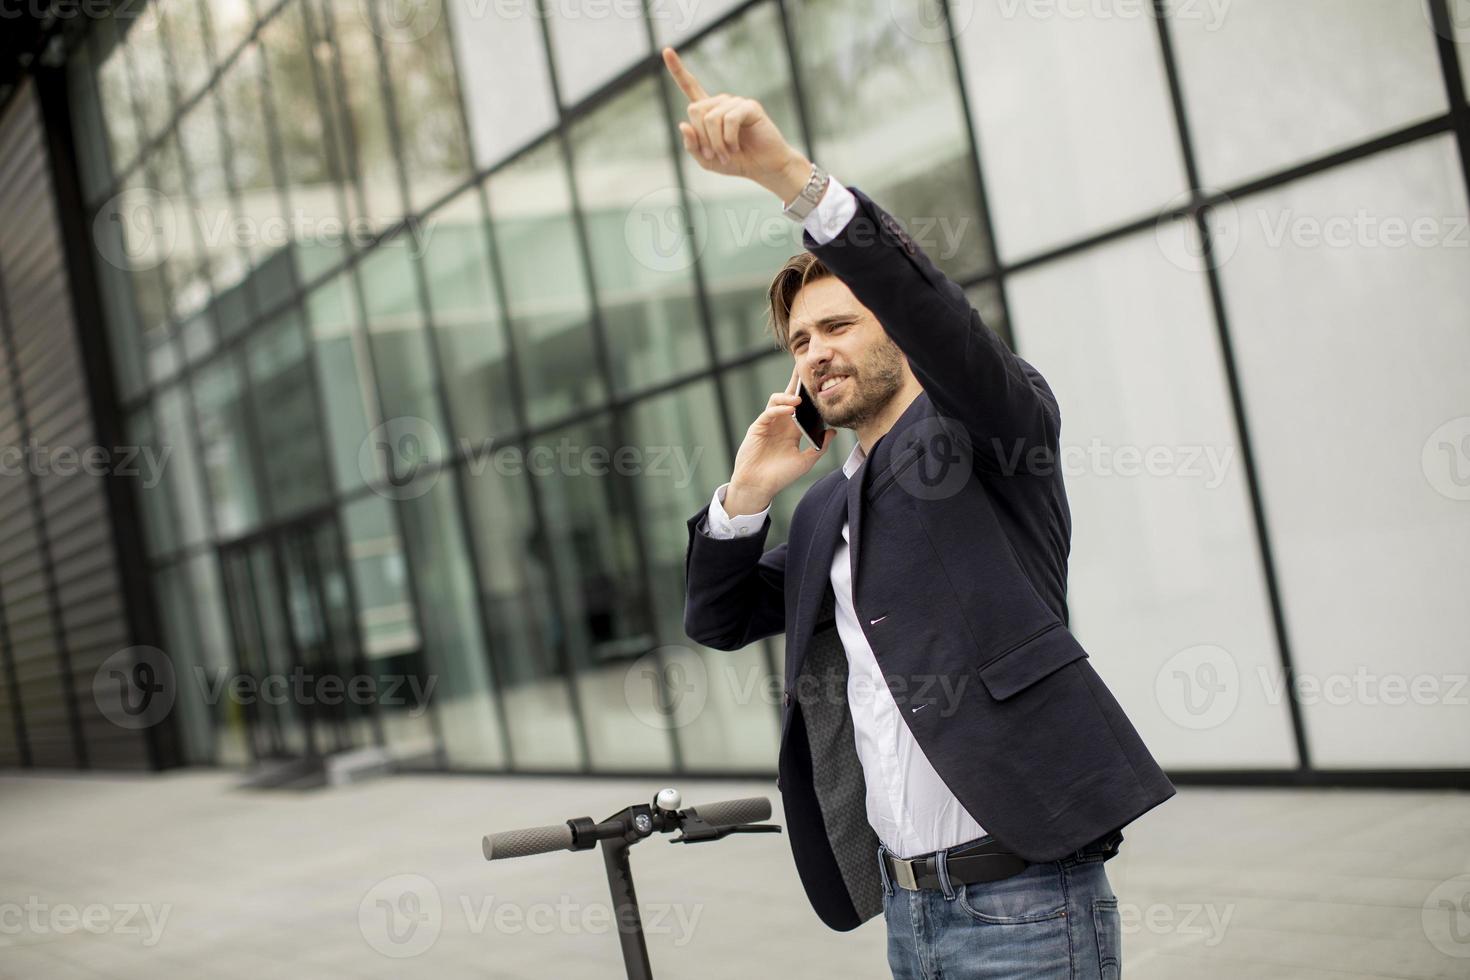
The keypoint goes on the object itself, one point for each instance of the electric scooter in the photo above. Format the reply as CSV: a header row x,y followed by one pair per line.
x,y
619,832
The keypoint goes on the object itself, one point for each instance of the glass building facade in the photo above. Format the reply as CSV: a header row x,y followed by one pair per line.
x,y
446,339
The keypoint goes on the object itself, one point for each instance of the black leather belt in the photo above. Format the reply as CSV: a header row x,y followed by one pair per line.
x,y
986,860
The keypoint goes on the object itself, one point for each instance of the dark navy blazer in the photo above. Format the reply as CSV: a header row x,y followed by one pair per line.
x,y
959,539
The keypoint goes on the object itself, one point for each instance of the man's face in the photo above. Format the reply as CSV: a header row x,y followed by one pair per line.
x,y
833,336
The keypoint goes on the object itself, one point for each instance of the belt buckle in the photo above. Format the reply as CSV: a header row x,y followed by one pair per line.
x,y
903,874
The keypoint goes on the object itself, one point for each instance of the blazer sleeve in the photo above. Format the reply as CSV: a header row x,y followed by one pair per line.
x,y
734,593
1003,403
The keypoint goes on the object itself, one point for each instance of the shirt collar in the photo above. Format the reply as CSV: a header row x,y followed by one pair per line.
x,y
854,460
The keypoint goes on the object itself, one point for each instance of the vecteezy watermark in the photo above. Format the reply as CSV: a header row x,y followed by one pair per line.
x,y
1445,459
135,688
145,463
407,21
402,458
1363,229
404,915
141,228
307,689
1446,917
37,918
1208,920
143,15
1211,12
1200,687
1178,230
931,21
671,686
664,234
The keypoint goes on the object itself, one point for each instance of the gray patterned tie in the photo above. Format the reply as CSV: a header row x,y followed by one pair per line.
x,y
836,773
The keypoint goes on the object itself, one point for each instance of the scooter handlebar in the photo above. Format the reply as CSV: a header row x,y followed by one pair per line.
x,y
530,840
728,813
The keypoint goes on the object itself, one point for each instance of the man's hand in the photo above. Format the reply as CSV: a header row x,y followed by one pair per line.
x,y
727,134
771,458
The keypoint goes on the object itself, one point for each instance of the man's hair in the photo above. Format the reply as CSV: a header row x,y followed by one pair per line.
x,y
799,270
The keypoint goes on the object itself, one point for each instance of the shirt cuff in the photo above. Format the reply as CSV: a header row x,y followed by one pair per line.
x,y
831,214
722,526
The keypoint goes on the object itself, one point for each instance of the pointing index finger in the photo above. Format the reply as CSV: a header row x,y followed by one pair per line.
x,y
683,77
795,378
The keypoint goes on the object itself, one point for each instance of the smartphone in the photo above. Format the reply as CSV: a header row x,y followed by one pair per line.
x,y
809,418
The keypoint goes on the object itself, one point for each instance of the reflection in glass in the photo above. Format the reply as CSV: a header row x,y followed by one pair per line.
x,y
436,153
454,645
467,320
545,284
526,631
684,457
591,537
180,478
284,406
642,258
346,379
592,42
224,442
909,150
499,54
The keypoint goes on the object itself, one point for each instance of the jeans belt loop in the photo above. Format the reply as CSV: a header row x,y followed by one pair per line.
x,y
941,864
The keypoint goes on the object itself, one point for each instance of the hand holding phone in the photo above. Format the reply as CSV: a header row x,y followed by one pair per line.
x,y
771,457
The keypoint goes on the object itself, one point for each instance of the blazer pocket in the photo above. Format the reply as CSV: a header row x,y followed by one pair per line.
x,y
1027,662
895,471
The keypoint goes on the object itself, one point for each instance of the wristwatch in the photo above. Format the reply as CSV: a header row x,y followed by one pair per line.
x,y
802,204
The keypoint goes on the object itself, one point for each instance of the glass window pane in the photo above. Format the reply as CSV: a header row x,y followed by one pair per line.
x,y
1064,156
1347,301
386,618
216,654
186,33
593,41
526,630
115,89
1305,78
590,531
421,66
401,356
499,54
1165,572
115,286
721,704
898,130
184,275
152,94
283,398
642,267
232,21
546,286
673,22
205,160
316,208
261,217
453,642
160,529
346,377
182,647
358,109
224,441
467,320
180,474
741,237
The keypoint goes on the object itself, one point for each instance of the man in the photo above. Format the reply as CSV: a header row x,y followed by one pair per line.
x,y
948,755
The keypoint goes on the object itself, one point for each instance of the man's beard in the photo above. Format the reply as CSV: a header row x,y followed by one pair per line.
x,y
872,384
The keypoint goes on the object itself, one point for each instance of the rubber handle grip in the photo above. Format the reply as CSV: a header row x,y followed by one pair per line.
x,y
531,840
727,813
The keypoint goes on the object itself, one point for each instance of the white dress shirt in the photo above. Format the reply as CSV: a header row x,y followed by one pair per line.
x,y
910,808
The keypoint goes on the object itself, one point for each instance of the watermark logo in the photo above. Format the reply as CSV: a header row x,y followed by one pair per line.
x,y
934,459
664,235
1199,687
667,687
34,918
135,687
926,22
1446,917
401,21
1446,459
401,916
397,457
136,230
1180,239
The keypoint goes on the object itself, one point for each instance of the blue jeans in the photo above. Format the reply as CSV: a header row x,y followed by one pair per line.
x,y
1054,921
